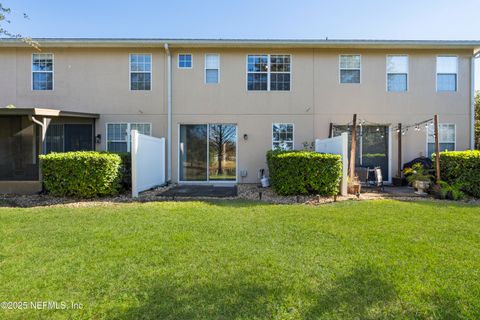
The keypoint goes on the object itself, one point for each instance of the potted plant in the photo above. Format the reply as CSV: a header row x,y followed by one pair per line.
x,y
419,177
398,181
450,191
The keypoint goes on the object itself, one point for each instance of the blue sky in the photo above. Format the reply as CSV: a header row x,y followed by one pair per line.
x,y
306,19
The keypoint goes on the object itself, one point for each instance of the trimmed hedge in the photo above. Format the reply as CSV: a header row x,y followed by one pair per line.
x,y
462,167
84,174
126,169
304,172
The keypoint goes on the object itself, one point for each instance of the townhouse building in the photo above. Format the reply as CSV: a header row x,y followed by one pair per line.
x,y
222,104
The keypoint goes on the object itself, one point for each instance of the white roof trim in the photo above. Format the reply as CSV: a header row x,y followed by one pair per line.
x,y
277,43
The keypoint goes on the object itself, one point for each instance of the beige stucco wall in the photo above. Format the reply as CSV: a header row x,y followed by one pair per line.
x,y
97,80
317,99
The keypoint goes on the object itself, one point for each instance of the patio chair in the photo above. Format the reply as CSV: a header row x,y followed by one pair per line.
x,y
362,174
377,181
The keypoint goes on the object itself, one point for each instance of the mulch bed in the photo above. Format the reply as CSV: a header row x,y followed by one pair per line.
x,y
244,192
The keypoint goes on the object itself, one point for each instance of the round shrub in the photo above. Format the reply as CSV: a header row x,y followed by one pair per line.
x,y
304,172
125,168
84,174
461,168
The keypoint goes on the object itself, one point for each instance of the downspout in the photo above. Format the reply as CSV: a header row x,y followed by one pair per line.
x,y
169,113
43,125
472,102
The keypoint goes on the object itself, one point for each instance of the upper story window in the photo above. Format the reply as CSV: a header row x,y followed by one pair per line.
x,y
447,69
282,136
446,138
350,65
42,71
119,135
397,73
268,72
140,72
184,61
212,68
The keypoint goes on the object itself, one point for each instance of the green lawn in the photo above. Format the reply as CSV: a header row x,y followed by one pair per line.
x,y
240,260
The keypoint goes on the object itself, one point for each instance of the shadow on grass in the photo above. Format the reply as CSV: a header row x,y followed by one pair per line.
x,y
350,297
354,296
434,203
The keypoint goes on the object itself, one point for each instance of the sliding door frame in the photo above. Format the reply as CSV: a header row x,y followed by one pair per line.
x,y
208,181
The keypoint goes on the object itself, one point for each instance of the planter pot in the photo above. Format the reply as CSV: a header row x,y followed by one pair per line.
x,y
354,188
265,182
421,186
399,182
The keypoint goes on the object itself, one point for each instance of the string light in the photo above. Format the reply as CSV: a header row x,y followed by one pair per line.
x,y
417,127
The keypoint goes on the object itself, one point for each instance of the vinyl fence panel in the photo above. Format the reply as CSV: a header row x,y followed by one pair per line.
x,y
337,145
148,162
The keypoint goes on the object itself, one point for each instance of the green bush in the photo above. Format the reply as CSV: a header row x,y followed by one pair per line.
x,y
84,174
126,169
304,172
461,167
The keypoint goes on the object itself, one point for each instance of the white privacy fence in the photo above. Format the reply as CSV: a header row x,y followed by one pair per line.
x,y
337,145
148,162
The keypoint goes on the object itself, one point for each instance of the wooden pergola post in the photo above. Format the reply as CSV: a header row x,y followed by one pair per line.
x,y
437,149
399,170
351,173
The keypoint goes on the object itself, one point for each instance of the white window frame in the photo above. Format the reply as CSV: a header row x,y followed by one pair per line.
x,y
408,72
436,73
293,133
178,60
130,71
340,68
129,134
440,142
52,72
268,71
205,70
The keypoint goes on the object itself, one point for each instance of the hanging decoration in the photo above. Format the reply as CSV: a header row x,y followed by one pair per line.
x,y
417,127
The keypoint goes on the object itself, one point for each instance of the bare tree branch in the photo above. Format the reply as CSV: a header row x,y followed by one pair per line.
x,y
4,32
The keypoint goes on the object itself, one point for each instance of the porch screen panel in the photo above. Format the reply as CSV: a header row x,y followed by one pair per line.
x,y
372,146
18,149
78,137
375,148
55,138
338,130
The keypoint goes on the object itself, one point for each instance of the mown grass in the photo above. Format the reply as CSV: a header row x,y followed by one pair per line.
x,y
244,260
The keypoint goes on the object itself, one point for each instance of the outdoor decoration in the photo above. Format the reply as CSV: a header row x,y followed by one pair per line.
x,y
419,177
401,130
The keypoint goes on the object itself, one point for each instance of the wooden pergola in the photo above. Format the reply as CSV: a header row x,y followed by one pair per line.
x,y
351,173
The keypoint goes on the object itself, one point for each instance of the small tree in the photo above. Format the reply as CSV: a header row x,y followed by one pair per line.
x,y
221,137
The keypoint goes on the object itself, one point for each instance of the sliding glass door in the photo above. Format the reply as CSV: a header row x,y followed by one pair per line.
x,y
208,152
